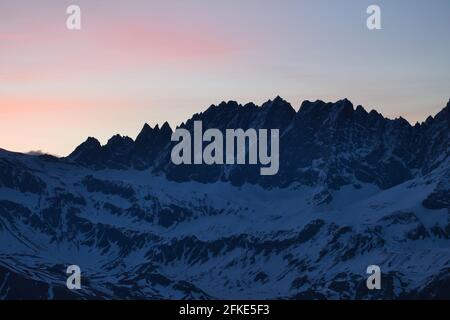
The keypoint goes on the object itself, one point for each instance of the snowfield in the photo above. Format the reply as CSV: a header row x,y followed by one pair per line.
x,y
139,228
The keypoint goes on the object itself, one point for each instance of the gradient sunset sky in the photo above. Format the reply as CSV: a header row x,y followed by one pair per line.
x,y
156,60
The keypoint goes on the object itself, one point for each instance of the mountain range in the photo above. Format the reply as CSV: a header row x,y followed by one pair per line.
x,y
353,189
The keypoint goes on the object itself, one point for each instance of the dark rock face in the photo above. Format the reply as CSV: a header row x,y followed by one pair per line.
x,y
108,187
122,152
14,175
89,153
353,188
149,143
332,144
22,288
438,200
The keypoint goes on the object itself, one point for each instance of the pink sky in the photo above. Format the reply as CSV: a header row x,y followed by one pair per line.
x,y
154,61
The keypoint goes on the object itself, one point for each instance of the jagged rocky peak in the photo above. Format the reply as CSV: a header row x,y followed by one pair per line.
x,y
145,135
319,105
249,105
375,116
116,153
87,153
165,128
278,101
402,122
117,149
164,133
322,112
278,105
345,104
238,115
307,135
361,111
278,113
119,141
234,108
444,113
310,106
216,116
342,109
90,145
145,129
149,143
149,134
224,105
229,104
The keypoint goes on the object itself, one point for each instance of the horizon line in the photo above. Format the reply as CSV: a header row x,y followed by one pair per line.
x,y
38,151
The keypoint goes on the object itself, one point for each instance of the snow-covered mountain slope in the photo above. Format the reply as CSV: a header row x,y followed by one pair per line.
x,y
137,229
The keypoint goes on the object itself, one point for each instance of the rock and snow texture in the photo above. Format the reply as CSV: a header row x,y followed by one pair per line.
x,y
354,189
